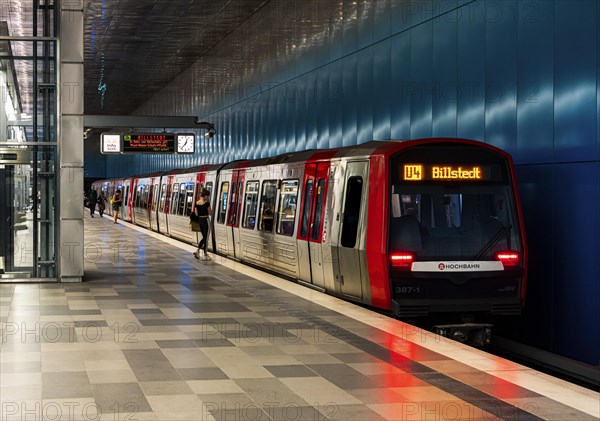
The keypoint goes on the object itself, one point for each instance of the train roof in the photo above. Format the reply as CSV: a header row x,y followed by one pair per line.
x,y
198,168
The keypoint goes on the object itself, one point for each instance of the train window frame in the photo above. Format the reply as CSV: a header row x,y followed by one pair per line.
x,y
189,198
154,197
163,198
135,197
317,219
352,208
182,197
282,216
254,191
144,199
174,199
222,212
232,218
307,202
209,186
268,218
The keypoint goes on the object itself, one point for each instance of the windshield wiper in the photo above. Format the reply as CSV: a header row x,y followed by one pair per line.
x,y
492,242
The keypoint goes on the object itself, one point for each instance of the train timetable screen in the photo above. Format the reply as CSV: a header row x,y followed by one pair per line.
x,y
445,172
149,143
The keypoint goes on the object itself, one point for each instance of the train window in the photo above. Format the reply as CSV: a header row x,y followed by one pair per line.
x,y
223,202
351,211
154,197
174,197
181,204
235,188
135,198
458,226
318,208
189,198
163,197
286,213
306,207
250,205
144,198
208,187
267,205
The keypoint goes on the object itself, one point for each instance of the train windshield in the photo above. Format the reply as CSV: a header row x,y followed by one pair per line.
x,y
454,205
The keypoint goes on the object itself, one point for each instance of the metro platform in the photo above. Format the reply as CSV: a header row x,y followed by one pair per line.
x,y
154,334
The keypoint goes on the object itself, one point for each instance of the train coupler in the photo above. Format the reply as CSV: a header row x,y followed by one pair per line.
x,y
474,334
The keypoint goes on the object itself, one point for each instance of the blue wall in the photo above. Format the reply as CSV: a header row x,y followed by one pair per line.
x,y
519,75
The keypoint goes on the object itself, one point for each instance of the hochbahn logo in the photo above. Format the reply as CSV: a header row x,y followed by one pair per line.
x,y
443,266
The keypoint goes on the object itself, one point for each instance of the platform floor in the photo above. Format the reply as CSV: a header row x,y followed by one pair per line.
x,y
153,334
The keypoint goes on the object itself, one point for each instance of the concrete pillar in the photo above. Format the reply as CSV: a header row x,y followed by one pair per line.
x,y
70,142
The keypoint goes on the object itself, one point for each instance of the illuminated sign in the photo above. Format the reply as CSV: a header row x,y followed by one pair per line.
x,y
149,143
110,143
413,172
418,172
453,173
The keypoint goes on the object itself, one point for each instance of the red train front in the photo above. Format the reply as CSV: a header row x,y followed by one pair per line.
x,y
456,249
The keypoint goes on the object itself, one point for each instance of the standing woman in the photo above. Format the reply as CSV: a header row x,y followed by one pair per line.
x,y
116,203
203,211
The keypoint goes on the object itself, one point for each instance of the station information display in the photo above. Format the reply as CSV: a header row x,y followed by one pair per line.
x,y
149,143
159,143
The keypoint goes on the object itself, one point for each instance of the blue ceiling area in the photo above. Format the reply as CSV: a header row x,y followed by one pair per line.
x,y
521,75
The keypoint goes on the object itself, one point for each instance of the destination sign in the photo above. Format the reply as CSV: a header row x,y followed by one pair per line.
x,y
149,143
444,172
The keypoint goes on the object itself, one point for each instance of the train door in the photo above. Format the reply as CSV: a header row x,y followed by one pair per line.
x,y
220,215
233,218
127,200
351,253
135,199
163,206
154,206
311,224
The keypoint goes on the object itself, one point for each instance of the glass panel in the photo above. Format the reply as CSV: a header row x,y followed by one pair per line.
x,y
233,207
250,205
286,213
316,232
223,202
267,205
174,198
189,198
181,204
458,225
306,207
163,196
154,197
27,215
351,211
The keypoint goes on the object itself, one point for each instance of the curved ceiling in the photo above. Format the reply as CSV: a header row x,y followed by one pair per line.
x,y
134,48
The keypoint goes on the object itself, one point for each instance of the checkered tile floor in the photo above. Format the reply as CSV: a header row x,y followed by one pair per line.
x,y
153,334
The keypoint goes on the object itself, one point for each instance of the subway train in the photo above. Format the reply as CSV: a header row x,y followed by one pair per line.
x,y
430,230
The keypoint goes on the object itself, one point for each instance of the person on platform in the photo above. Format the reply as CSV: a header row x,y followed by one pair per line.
x,y
116,202
92,200
101,203
203,211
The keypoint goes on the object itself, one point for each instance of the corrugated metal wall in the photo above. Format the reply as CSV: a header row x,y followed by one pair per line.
x,y
521,75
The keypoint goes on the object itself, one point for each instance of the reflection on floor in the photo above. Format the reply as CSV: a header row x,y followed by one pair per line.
x,y
153,334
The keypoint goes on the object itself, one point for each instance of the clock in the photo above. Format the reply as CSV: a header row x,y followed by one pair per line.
x,y
185,143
